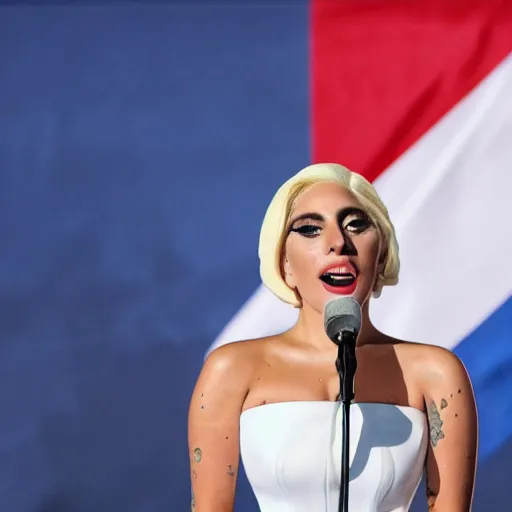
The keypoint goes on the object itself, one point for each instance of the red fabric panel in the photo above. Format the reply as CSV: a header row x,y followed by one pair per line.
x,y
384,72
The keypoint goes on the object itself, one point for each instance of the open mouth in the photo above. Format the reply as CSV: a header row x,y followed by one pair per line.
x,y
338,279
341,278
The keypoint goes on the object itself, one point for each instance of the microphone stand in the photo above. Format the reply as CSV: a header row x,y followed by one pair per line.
x,y
346,364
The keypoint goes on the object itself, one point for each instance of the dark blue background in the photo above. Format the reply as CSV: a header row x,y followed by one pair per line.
x,y
139,146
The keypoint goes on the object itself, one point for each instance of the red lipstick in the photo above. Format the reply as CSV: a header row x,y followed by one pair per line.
x,y
340,278
341,290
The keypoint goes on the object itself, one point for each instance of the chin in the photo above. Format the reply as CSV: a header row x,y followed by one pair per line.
x,y
359,293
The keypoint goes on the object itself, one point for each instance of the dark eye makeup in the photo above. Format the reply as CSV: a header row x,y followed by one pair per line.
x,y
307,230
352,219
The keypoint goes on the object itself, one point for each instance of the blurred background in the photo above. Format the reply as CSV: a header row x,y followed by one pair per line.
x,y
140,143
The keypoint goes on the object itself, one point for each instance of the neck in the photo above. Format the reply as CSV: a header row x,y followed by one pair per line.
x,y
310,328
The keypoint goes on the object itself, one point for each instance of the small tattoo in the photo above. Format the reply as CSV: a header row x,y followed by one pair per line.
x,y
431,498
436,433
230,471
444,403
193,502
198,454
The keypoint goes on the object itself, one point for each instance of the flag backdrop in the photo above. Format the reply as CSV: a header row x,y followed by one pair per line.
x,y
140,144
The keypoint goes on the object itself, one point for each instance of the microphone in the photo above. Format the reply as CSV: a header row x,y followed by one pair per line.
x,y
342,315
342,322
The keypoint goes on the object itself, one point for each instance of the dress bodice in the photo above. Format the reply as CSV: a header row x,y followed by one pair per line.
x,y
291,453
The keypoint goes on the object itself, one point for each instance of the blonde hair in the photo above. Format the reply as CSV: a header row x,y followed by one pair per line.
x,y
274,227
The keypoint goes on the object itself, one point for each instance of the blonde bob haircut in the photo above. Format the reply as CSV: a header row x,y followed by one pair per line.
x,y
275,223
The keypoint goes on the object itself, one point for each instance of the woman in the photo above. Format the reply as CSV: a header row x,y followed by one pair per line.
x,y
325,234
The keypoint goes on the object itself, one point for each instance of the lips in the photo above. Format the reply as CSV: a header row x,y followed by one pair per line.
x,y
340,278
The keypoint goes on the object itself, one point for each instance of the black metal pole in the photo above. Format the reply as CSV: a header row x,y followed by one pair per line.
x,y
345,459
346,364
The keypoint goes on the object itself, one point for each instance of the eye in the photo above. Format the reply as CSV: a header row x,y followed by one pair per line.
x,y
357,223
307,230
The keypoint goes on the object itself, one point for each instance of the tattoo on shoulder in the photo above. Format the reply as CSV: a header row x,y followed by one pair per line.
x,y
435,422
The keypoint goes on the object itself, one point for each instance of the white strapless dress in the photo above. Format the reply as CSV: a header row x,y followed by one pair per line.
x,y
291,452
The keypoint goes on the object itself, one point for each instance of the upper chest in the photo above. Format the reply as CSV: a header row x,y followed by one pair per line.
x,y
383,375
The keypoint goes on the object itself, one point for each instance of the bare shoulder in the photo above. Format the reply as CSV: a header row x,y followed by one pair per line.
x,y
238,356
230,367
437,371
432,362
229,357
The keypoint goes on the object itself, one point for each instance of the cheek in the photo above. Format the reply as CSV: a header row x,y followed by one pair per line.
x,y
368,248
301,258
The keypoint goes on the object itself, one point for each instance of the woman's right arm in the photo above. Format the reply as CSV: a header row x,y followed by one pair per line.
x,y
213,427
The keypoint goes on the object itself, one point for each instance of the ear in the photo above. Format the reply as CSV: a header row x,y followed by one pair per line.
x,y
288,275
383,256
380,269
381,265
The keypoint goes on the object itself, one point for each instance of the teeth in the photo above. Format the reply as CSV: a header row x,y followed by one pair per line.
x,y
342,269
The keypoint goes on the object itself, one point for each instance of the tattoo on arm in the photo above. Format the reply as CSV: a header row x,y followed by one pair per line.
x,y
193,502
230,471
435,422
198,454
431,498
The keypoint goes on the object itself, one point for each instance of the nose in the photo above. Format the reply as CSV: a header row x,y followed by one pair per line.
x,y
335,241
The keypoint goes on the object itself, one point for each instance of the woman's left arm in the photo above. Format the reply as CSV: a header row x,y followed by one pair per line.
x,y
453,422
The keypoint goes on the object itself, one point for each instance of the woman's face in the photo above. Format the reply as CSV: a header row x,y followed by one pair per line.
x,y
332,247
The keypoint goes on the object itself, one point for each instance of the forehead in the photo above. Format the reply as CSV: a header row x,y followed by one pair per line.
x,y
325,198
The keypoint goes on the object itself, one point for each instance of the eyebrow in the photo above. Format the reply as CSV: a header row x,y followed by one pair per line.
x,y
307,216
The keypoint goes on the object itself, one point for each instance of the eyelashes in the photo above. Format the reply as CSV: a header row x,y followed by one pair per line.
x,y
358,225
352,220
307,230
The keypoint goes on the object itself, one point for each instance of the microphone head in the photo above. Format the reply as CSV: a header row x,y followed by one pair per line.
x,y
343,314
